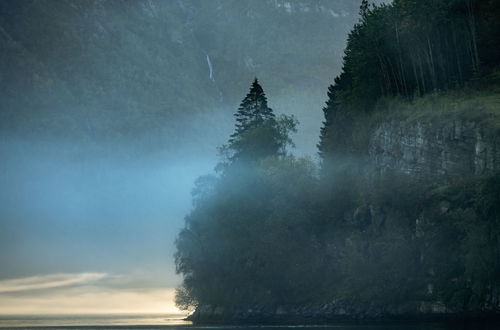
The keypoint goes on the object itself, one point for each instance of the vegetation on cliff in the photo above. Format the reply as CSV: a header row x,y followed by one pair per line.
x,y
269,231
408,49
272,232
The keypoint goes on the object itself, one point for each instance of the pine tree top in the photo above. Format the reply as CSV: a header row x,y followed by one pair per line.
x,y
256,94
256,87
257,133
253,110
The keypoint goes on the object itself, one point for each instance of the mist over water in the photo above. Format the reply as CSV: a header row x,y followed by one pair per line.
x,y
110,112
75,211
72,206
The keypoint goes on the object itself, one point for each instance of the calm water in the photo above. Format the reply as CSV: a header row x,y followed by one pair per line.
x,y
117,321
175,322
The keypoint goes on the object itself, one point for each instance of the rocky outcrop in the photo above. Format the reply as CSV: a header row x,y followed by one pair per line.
x,y
322,313
431,149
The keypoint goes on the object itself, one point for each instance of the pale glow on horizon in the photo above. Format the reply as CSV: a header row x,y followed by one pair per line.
x,y
80,294
151,301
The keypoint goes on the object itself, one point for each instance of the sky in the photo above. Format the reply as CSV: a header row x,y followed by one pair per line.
x,y
74,232
82,293
89,227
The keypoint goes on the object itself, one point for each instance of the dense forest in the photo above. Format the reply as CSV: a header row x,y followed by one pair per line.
x,y
409,49
133,72
272,235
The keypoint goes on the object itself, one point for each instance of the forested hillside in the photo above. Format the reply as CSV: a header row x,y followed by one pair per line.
x,y
94,72
400,219
409,49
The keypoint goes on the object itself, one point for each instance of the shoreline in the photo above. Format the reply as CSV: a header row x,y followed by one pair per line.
x,y
451,318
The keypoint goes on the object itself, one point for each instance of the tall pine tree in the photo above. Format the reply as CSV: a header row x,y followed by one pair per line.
x,y
253,111
335,147
258,134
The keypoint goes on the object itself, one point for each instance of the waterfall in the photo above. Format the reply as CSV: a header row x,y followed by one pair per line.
x,y
210,69
212,78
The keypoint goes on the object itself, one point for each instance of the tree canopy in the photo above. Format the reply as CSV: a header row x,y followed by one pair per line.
x,y
272,232
407,49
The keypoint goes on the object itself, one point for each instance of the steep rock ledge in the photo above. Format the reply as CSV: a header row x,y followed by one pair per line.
x,y
430,149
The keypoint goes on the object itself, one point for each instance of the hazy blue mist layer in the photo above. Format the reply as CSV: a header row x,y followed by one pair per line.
x,y
109,110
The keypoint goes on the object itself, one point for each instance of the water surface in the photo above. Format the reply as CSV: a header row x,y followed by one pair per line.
x,y
176,322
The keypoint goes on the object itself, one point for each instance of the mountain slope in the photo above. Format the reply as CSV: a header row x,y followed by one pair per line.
x,y
97,71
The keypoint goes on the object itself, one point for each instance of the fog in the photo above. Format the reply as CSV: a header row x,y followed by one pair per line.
x,y
105,207
355,147
110,110
101,214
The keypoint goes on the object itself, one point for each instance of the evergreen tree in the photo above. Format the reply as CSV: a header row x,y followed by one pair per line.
x,y
335,145
222,251
409,48
253,111
270,233
363,8
258,134
324,138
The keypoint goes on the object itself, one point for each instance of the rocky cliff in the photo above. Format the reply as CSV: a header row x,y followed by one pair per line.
x,y
428,149
326,313
407,247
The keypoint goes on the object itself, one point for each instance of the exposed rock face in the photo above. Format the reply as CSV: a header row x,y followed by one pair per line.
x,y
437,150
428,149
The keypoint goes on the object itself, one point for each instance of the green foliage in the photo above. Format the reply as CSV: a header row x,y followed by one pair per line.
x,y
272,230
225,250
233,251
408,49
258,134
460,243
277,235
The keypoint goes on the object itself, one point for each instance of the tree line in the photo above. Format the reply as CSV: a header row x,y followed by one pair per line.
x,y
407,49
413,47
270,230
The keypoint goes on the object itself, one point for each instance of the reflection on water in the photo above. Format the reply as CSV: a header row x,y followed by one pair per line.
x,y
175,321
120,321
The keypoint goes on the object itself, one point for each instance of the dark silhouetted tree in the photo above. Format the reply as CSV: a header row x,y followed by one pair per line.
x,y
258,133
